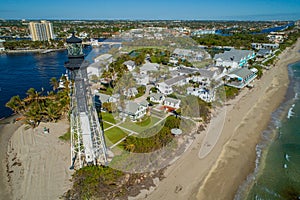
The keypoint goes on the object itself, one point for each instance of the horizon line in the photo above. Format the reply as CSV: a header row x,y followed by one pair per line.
x,y
124,19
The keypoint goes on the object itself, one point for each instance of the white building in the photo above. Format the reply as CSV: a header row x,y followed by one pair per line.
x,y
157,97
148,67
164,88
130,65
202,93
1,45
188,54
142,79
41,31
234,58
171,103
131,92
203,32
240,78
104,58
96,68
258,46
134,110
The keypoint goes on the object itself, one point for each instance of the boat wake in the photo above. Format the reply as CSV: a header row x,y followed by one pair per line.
x,y
287,157
291,113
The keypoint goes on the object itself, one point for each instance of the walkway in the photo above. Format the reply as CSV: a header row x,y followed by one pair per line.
x,y
144,97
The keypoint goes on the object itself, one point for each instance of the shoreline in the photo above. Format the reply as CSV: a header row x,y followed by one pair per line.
x,y
7,129
233,157
270,134
33,51
37,164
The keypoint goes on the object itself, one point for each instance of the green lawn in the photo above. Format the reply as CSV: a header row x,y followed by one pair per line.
x,y
106,125
140,126
108,117
114,135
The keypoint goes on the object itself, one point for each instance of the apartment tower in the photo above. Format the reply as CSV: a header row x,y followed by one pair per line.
x,y
41,31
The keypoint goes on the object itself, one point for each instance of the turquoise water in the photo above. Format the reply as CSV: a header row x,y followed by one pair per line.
x,y
277,175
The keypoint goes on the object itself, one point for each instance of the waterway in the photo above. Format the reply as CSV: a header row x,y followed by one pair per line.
x,y
21,71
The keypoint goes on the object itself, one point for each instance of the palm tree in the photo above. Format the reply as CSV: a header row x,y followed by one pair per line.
x,y
130,147
32,94
54,83
53,111
33,115
16,104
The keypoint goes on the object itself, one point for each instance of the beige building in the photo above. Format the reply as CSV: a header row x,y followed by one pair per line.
x,y
41,31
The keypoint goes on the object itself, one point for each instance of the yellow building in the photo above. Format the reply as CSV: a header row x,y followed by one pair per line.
x,y
41,31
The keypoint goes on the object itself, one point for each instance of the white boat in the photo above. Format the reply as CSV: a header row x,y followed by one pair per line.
x,y
285,166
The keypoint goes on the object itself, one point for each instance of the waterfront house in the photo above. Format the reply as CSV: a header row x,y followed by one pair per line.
x,y
157,97
202,93
203,32
234,58
1,45
241,77
258,46
171,103
277,37
264,53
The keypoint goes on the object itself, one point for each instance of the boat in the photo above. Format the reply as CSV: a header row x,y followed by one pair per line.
x,y
285,166
47,51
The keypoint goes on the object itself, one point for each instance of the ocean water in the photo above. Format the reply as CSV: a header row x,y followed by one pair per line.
x,y
277,173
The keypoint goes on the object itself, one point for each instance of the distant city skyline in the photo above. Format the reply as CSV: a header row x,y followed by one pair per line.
x,y
155,9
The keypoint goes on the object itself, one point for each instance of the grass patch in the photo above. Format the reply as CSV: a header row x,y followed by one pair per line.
x,y
108,117
140,126
231,92
65,137
115,134
145,121
106,125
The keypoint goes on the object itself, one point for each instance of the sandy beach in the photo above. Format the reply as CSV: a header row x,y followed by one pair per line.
x,y
7,128
215,171
38,163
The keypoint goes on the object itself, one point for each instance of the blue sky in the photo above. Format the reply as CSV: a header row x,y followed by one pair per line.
x,y
152,9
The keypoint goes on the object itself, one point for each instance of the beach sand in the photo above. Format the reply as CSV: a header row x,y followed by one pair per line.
x,y
221,169
7,128
38,163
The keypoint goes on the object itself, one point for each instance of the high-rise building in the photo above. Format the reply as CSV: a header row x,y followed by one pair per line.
x,y
41,31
